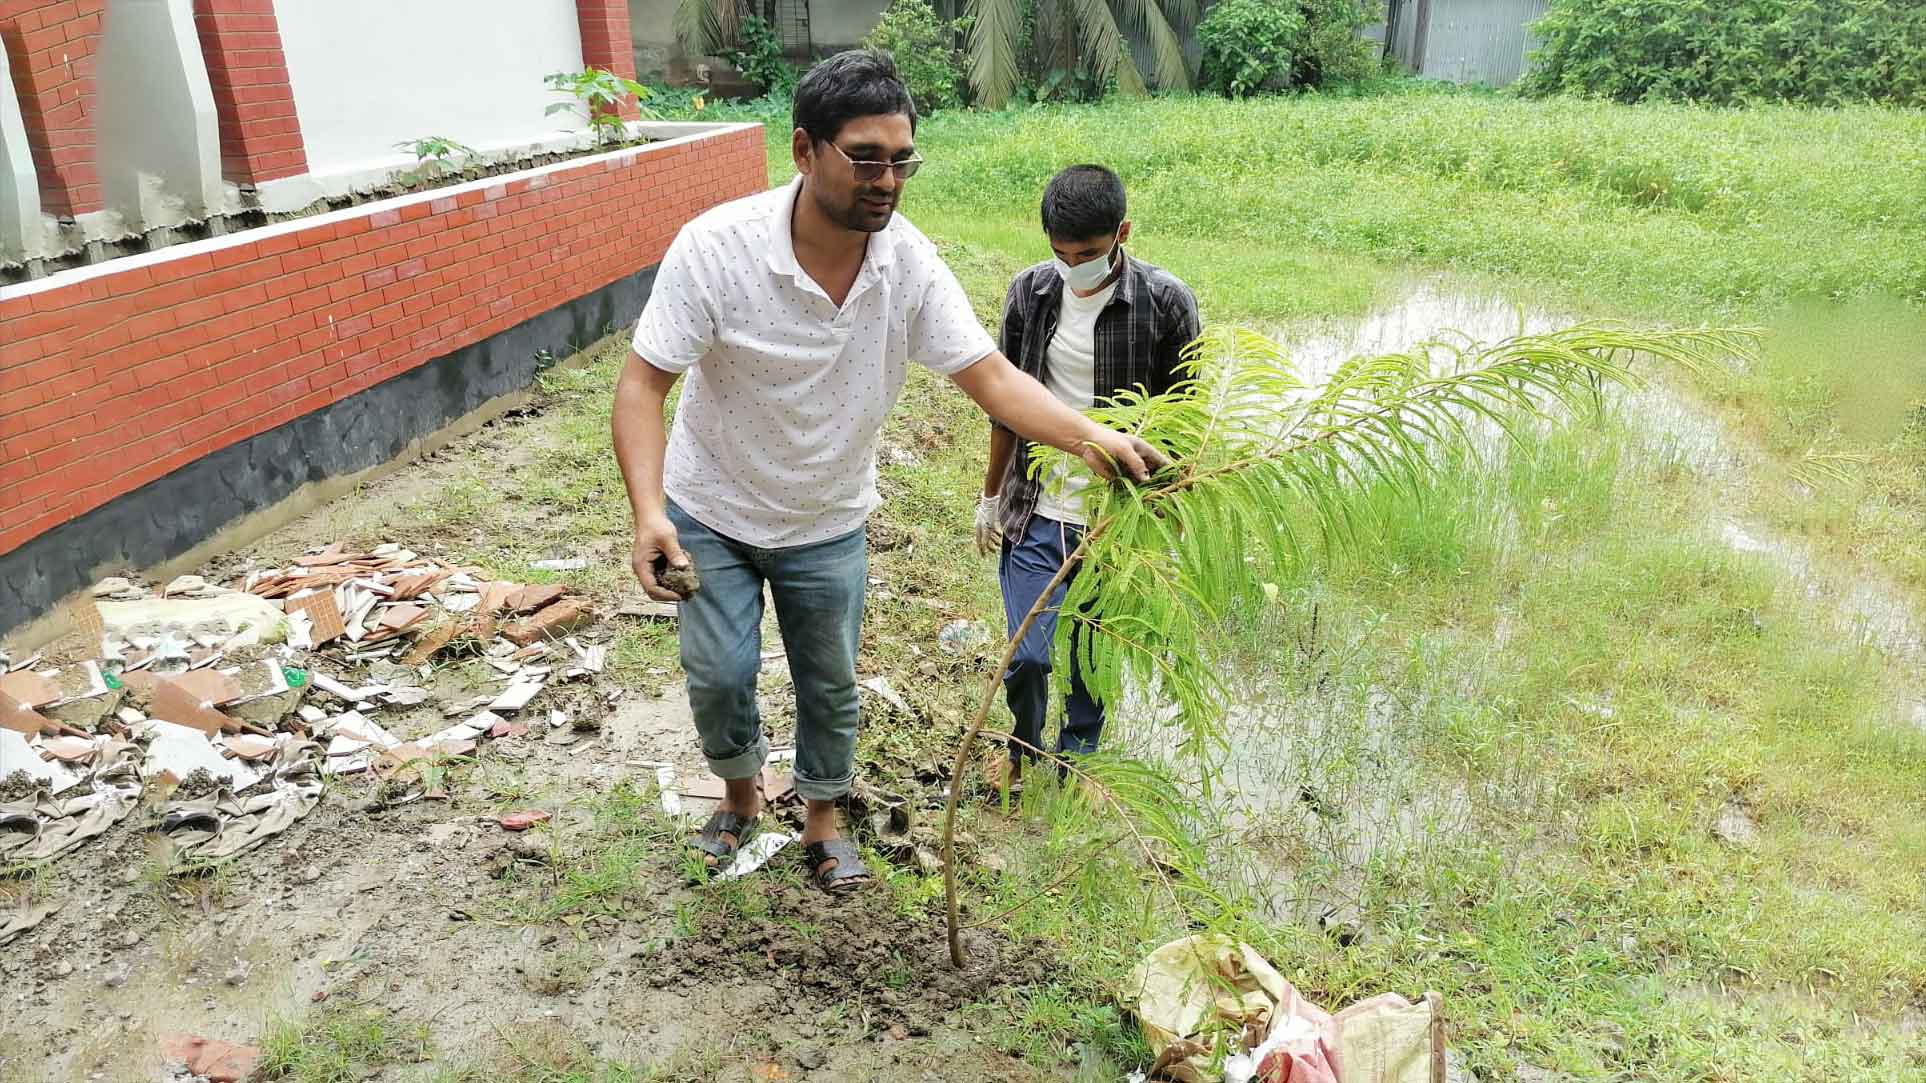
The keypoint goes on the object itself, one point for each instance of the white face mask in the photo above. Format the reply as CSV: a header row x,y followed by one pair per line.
x,y
1089,274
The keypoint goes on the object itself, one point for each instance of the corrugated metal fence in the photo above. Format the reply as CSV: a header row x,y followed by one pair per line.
x,y
1464,41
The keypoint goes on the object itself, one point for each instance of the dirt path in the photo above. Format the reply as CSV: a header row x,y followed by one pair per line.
x,y
503,955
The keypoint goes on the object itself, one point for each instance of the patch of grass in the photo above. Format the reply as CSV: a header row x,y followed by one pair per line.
x,y
341,1044
1844,387
1668,206
600,871
549,1052
1057,1027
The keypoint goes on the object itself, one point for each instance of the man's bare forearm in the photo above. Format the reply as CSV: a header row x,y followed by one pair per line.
x,y
640,437
1023,404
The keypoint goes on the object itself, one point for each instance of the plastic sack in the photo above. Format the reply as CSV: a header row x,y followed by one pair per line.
x,y
1205,999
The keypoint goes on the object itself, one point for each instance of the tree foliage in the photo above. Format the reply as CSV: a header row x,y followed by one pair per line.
x,y
1049,40
1821,52
1251,46
925,54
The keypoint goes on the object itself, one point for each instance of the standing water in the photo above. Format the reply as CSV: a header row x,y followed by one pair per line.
x,y
1315,785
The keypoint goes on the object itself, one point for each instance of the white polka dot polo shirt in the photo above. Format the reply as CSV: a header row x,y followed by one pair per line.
x,y
774,442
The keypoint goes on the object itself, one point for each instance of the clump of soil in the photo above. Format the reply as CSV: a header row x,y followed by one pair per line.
x,y
198,783
682,580
18,786
859,948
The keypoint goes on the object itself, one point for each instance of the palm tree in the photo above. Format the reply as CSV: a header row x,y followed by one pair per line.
x,y
1261,453
1090,36
705,26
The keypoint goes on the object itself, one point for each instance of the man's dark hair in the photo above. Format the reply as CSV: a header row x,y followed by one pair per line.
x,y
856,83
1081,202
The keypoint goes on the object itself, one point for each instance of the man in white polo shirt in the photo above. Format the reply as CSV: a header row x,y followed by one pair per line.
x,y
796,313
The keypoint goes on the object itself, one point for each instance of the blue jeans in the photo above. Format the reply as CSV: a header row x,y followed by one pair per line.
x,y
818,590
1028,564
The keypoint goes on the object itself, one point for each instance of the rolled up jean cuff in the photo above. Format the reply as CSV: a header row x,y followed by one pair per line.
x,y
810,789
744,764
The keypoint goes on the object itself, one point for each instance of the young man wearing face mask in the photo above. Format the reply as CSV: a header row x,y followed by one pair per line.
x,y
1090,323
796,314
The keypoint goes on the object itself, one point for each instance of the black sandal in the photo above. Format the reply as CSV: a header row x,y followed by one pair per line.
x,y
709,840
848,874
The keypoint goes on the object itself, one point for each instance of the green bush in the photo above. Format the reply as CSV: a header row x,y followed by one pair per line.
x,y
1331,52
1819,52
924,48
1251,46
760,58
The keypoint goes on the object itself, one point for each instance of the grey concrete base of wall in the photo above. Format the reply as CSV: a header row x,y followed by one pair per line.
x,y
245,490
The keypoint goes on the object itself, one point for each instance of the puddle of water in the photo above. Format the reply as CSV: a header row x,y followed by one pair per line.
x,y
1307,793
1431,310
1860,604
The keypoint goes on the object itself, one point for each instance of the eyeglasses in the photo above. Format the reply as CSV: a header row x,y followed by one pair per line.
x,y
869,171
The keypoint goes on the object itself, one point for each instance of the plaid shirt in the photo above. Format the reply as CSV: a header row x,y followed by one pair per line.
x,y
1140,338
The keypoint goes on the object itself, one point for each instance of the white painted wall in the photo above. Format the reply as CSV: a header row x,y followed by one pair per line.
x,y
19,184
368,74
158,146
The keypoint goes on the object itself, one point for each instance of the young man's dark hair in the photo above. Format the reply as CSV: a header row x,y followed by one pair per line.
x,y
856,83
1083,201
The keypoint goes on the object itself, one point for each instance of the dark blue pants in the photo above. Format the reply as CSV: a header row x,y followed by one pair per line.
x,y
1028,564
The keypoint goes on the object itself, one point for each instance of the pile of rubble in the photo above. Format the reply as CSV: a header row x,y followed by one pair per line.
x,y
389,593
240,700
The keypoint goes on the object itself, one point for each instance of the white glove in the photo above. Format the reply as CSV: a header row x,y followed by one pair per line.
x,y
989,524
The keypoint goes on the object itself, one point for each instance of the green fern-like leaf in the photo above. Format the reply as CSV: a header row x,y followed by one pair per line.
x,y
1268,462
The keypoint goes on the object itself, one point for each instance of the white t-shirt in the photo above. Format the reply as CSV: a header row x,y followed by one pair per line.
x,y
774,442
1070,372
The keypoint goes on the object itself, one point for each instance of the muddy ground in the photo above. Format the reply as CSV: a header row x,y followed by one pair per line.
x,y
579,942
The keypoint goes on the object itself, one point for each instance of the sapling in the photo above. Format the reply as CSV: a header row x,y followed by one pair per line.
x,y
1263,455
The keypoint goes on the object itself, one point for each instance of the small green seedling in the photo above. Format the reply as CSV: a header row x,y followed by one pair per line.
x,y
598,96
436,156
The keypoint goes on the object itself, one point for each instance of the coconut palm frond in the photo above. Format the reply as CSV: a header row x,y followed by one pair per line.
x,y
1267,462
993,52
1105,49
1169,70
704,26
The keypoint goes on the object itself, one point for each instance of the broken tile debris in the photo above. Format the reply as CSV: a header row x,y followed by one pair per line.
x,y
522,821
236,701
212,1060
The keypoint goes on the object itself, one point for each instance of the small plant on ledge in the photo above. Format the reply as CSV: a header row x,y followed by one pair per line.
x,y
598,96
436,156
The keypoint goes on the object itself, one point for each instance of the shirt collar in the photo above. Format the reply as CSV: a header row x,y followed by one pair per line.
x,y
877,255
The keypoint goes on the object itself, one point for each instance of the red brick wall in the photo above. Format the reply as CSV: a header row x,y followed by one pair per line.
x,y
114,375
260,134
605,41
50,47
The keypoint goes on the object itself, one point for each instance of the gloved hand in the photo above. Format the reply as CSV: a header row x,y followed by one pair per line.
x,y
989,524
